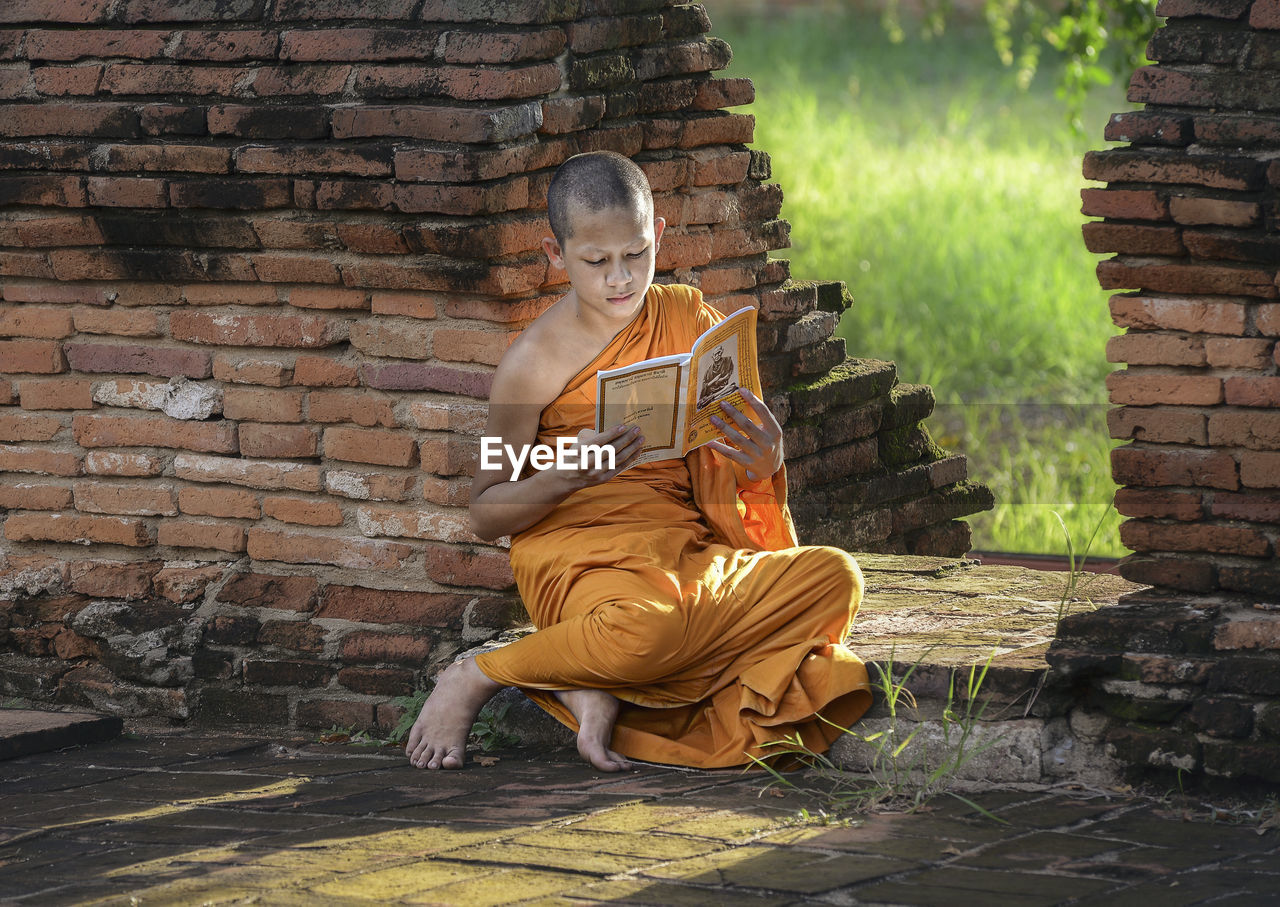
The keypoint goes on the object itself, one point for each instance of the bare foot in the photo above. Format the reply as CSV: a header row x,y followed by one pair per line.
x,y
439,736
596,712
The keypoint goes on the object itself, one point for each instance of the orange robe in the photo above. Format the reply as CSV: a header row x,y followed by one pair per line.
x,y
681,593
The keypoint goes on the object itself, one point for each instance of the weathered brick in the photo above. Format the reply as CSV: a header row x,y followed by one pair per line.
x,y
120,322
33,527
303,510
441,124
252,404
384,606
1252,429
365,409
405,340
223,502
298,635
305,331
449,525
1160,424
458,345
378,681
369,486
18,495
1154,466
32,357
1189,314
39,460
1196,87
115,463
1172,277
1252,391
1260,469
1146,387
240,370
324,713
259,590
317,298
273,441
138,359
1132,239
338,551
455,565
25,426
297,122
1143,503
385,448
1243,352
317,371
287,673
180,533
1152,348
1248,506
93,430
365,647
252,473
1141,535
129,581
124,499
33,321
1193,210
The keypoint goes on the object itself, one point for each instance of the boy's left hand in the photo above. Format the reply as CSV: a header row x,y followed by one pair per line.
x,y
757,446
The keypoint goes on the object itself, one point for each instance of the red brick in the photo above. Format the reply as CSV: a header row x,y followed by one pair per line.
x,y
1252,429
74,44
304,674
369,486
1180,572
1180,314
1218,172
384,606
1260,469
1254,508
1150,348
1219,9
317,371
338,551
457,566
305,331
239,370
302,510
63,81
385,448
278,441
1149,127
1160,424
252,404
440,524
502,312
379,239
252,473
32,357
295,122
276,267
1156,466
364,647
131,581
1223,212
500,47
223,502
179,533
365,409
25,426
446,492
1267,319
221,192
1243,352
16,495
127,192
1265,14
72,119
124,500
298,635
1231,245
1144,536
32,527
224,46
1169,505
449,415
570,114
292,159
378,681
449,457
405,340
40,460
121,322
346,44
465,200
261,590
318,298
113,463
1134,240
1253,391
351,195
1117,273
138,359
163,158
714,94
153,431
32,321
277,81
28,264
325,713
485,347
458,83
441,124
59,231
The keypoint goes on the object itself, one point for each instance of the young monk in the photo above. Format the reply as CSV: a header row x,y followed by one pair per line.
x,y
677,620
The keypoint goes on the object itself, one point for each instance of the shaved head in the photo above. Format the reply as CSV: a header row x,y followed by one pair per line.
x,y
595,181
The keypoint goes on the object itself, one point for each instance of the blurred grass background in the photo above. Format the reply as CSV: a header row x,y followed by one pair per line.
x,y
948,199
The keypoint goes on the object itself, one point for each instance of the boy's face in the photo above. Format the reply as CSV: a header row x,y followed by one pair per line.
x,y
609,258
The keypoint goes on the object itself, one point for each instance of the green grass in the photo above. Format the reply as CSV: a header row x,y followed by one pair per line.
x,y
949,201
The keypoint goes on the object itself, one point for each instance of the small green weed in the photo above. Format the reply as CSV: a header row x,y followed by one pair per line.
x,y
486,733
904,773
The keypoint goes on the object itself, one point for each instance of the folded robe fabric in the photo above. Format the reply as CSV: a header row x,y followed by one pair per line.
x,y
679,588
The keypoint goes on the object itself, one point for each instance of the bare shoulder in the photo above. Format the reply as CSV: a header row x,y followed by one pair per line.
x,y
531,370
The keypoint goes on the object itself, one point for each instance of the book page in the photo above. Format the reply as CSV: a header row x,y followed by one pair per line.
x,y
723,359
648,395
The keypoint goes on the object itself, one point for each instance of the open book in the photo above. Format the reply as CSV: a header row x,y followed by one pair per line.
x,y
672,398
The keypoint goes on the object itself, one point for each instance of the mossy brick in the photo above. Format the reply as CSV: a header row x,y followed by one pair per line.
x,y
1127,707
602,72
909,404
853,381
907,445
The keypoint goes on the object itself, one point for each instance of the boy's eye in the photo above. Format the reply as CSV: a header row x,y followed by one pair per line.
x,y
639,254
599,261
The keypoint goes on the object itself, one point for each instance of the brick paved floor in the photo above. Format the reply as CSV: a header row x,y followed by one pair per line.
x,y
199,818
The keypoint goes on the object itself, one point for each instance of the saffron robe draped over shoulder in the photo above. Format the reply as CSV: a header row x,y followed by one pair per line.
x,y
678,587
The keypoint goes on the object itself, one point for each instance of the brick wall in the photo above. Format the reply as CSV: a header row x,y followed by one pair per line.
x,y
258,260
1188,674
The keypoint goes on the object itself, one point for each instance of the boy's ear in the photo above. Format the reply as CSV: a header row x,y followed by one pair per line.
x,y
659,224
555,254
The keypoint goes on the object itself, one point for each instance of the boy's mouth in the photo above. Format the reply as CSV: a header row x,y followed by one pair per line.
x,y
623,298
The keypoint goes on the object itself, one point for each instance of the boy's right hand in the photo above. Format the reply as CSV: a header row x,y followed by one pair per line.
x,y
626,443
